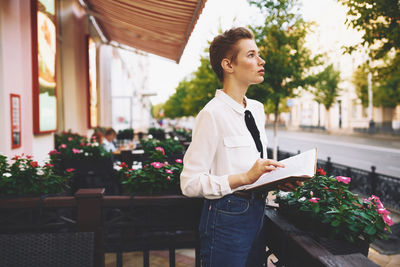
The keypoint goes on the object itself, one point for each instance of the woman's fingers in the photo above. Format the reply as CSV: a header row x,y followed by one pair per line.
x,y
275,163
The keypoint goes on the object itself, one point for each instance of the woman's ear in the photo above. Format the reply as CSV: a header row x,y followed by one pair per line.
x,y
226,65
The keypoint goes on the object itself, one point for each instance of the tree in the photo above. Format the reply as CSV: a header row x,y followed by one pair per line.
x,y
380,22
281,42
385,84
326,89
202,87
175,105
191,95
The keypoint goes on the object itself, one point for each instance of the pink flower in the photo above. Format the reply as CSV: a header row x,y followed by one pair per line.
x,y
314,199
178,161
16,157
63,146
76,151
160,149
28,156
70,170
383,212
165,163
168,178
54,152
48,165
69,138
34,164
343,179
388,220
169,171
157,165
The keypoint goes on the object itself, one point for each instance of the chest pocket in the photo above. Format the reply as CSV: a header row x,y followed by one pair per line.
x,y
237,141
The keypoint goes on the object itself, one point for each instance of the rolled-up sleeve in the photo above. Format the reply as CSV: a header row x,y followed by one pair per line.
x,y
196,178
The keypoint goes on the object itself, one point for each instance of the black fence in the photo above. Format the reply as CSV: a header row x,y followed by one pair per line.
x,y
365,183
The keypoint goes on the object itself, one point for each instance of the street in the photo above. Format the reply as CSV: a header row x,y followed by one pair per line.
x,y
354,151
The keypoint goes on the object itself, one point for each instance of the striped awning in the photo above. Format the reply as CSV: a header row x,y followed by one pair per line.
x,y
161,27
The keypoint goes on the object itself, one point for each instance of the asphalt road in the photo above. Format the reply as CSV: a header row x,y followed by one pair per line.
x,y
354,151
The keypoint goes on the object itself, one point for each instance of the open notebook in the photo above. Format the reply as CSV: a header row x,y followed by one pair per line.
x,y
298,168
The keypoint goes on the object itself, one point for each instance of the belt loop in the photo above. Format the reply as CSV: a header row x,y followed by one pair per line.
x,y
252,197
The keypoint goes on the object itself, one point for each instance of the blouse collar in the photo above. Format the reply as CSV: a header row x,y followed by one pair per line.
x,y
231,102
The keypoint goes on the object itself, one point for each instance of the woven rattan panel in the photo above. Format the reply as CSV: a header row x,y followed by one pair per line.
x,y
47,250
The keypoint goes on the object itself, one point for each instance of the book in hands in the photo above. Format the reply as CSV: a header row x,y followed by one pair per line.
x,y
297,168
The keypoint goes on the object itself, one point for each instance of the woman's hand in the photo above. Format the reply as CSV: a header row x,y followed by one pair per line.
x,y
260,167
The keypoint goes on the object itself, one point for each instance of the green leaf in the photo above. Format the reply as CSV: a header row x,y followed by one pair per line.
x,y
335,223
370,229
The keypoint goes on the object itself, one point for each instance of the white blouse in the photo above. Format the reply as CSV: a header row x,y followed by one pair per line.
x,y
221,146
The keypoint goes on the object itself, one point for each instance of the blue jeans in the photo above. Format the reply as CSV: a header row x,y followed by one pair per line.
x,y
230,232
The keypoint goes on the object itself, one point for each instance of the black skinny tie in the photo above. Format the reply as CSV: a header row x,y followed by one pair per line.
x,y
252,127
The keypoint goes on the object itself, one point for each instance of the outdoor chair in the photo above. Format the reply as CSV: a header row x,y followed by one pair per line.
x,y
47,249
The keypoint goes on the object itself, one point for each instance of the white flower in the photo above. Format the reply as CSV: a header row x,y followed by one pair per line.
x,y
86,154
302,199
7,174
283,194
150,136
95,144
176,138
40,172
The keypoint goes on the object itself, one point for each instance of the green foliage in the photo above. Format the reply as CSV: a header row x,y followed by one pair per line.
x,y
193,94
360,82
379,22
125,134
166,148
75,147
153,178
24,176
175,105
327,89
328,201
182,134
202,88
157,175
385,83
156,133
157,111
281,42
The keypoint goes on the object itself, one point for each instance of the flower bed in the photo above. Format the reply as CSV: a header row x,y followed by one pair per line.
x,y
24,176
158,175
327,206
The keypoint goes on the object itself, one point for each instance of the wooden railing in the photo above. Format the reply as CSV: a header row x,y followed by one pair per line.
x,y
143,223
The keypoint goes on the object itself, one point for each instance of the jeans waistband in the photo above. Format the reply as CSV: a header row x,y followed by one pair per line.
x,y
250,194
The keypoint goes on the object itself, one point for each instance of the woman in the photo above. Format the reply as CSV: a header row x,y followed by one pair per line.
x,y
226,154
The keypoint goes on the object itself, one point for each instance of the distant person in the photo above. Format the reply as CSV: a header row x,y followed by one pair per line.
x,y
228,152
97,137
108,143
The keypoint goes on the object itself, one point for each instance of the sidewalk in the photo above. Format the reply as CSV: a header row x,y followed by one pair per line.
x,y
185,258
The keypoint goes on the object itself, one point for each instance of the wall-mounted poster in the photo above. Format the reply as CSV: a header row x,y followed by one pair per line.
x,y
44,66
15,111
92,87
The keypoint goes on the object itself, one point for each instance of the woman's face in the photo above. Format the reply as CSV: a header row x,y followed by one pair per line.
x,y
248,65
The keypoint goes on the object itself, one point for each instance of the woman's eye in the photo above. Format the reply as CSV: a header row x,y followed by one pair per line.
x,y
251,55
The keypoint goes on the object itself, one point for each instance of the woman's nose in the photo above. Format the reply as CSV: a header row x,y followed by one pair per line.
x,y
261,61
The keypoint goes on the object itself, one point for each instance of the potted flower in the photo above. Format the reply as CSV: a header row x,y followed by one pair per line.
x,y
93,164
157,176
324,204
24,176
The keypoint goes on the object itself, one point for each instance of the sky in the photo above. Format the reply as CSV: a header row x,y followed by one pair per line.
x,y
330,34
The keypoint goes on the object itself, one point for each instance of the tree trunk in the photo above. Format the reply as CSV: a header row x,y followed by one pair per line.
x,y
328,119
275,148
